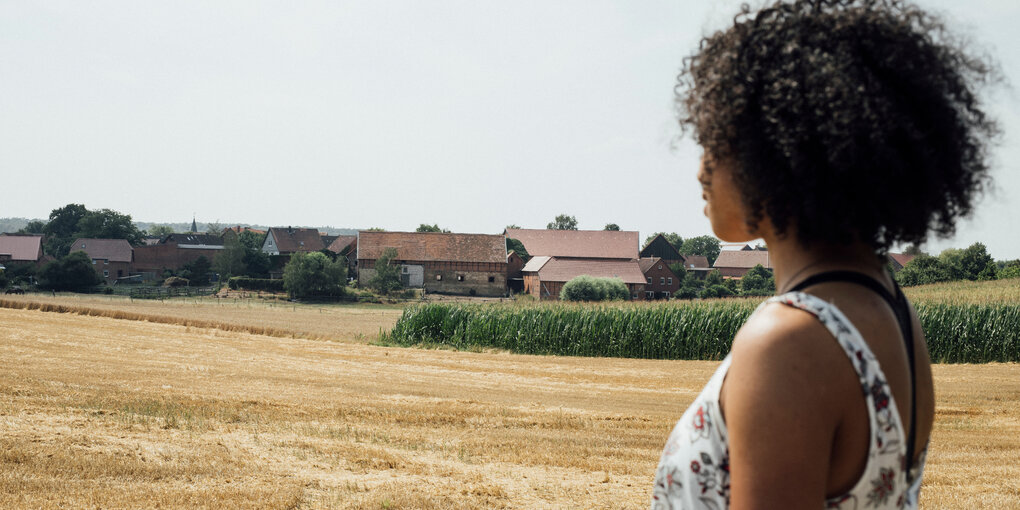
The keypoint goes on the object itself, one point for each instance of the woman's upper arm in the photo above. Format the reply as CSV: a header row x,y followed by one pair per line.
x,y
780,412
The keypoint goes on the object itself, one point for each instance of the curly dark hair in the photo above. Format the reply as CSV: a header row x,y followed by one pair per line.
x,y
851,121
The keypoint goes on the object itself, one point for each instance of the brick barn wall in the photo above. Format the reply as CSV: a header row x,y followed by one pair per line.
x,y
474,276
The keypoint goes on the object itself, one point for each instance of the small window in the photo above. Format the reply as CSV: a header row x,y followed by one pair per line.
x,y
460,278
439,277
665,294
403,269
106,262
660,266
670,280
649,280
492,279
662,280
649,294
93,262
83,246
106,274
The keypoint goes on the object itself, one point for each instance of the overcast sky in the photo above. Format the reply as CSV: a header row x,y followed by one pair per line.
x,y
469,114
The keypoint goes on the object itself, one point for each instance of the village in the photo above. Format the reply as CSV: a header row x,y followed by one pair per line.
x,y
533,262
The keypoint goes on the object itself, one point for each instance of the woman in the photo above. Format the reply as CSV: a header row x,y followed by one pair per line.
x,y
833,130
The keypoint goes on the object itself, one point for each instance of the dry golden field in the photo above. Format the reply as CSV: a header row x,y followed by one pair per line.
x,y
110,413
349,322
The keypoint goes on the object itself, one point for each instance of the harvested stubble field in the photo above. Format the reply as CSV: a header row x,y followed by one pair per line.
x,y
102,412
348,322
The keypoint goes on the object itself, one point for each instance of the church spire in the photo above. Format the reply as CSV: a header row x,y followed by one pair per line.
x,y
194,226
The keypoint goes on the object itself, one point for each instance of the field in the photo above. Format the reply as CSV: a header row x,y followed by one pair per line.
x,y
97,411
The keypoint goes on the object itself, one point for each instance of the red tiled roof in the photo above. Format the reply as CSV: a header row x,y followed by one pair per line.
x,y
563,270
114,250
433,246
743,259
21,248
596,244
901,258
341,243
696,261
290,240
646,263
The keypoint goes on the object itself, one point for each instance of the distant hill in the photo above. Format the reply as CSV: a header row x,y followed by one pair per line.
x,y
16,224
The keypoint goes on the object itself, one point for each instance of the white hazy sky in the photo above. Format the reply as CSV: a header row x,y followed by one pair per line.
x,y
472,115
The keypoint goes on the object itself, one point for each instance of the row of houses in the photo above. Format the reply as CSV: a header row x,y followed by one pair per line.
x,y
447,263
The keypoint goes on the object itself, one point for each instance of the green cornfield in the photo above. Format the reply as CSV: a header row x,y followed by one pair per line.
x,y
956,333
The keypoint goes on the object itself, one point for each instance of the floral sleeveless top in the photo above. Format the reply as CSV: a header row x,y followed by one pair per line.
x,y
694,470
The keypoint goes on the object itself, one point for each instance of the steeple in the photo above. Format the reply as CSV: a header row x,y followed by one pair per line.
x,y
194,226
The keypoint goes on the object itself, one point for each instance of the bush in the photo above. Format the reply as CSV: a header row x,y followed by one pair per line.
x,y
260,284
387,275
686,292
589,288
72,272
314,275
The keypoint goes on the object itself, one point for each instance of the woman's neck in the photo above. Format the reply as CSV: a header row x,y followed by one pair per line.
x,y
792,262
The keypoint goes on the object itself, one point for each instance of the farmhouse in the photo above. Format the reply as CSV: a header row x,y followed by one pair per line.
x,y
736,263
21,248
660,248
111,258
558,256
173,252
287,241
660,280
545,276
446,263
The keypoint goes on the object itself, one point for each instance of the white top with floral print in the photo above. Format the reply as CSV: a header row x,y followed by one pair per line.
x,y
694,470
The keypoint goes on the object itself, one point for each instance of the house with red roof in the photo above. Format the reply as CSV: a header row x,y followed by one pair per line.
x,y
660,280
559,256
111,258
441,262
899,260
736,263
289,240
21,249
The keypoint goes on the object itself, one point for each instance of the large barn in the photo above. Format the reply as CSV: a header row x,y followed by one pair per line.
x,y
441,262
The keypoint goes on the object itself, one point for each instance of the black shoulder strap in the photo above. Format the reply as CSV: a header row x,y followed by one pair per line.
x,y
899,305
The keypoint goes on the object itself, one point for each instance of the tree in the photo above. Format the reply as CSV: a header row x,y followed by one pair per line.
x,y
924,269
230,261
974,262
714,278
72,272
33,227
430,228
517,247
215,228
612,226
514,226
161,230
672,237
256,262
61,227
387,275
314,275
197,271
707,246
563,222
757,282
109,224
375,229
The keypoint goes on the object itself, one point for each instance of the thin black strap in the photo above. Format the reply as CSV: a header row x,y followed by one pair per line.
x,y
899,305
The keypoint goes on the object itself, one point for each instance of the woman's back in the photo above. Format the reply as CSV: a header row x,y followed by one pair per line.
x,y
869,440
